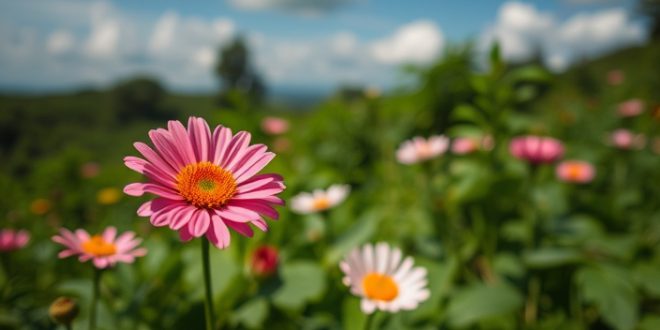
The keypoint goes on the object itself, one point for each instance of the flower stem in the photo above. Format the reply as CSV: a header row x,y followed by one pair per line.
x,y
96,288
208,302
368,324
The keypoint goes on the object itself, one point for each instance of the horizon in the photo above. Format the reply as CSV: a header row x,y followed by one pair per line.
x,y
295,45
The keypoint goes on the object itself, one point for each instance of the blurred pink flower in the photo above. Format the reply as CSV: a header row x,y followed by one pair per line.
x,y
90,170
466,145
627,140
105,250
205,182
615,77
419,149
536,149
274,125
264,261
11,240
575,171
631,108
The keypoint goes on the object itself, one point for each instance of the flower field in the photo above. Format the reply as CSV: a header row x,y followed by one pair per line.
x,y
498,198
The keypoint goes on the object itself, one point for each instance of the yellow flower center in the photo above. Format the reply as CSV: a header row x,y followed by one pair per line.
x,y
98,247
380,287
206,185
574,171
321,203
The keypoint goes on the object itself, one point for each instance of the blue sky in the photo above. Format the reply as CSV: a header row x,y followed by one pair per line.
x,y
313,44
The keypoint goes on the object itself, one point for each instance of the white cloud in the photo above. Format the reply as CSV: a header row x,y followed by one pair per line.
x,y
418,42
522,31
60,42
304,7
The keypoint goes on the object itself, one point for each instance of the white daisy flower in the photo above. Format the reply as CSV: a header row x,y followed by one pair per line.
x,y
319,199
419,149
382,280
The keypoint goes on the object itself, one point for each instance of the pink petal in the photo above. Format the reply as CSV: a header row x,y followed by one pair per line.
x,y
156,159
261,224
248,171
218,233
238,143
240,227
246,157
200,136
138,189
199,223
257,206
222,139
109,234
181,141
182,217
184,234
162,139
257,181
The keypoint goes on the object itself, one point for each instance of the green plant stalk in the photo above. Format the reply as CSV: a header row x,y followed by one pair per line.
x,y
96,288
208,301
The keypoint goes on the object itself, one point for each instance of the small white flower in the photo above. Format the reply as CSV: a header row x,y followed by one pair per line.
x,y
419,149
382,280
319,199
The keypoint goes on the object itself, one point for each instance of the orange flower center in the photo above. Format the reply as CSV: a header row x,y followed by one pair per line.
x,y
98,247
206,185
321,203
574,171
380,287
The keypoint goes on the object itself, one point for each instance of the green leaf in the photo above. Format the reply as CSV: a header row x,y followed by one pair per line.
x,y
647,276
252,314
551,257
611,290
354,236
650,322
467,113
508,264
303,281
480,301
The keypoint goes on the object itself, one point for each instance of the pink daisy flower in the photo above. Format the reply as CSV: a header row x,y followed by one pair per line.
x,y
11,240
205,182
105,250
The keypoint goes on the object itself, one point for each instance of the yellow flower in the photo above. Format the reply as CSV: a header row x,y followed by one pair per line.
x,y
108,196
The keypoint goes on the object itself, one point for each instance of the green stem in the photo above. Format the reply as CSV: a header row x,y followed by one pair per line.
x,y
208,302
69,326
96,288
531,307
369,323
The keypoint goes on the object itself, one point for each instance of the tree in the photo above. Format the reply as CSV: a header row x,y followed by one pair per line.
x,y
139,97
236,74
651,9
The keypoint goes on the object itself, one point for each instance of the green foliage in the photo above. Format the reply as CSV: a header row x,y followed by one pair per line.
x,y
505,244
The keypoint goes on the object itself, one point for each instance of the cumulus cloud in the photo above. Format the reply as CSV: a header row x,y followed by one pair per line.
x,y
523,31
418,42
60,42
305,7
